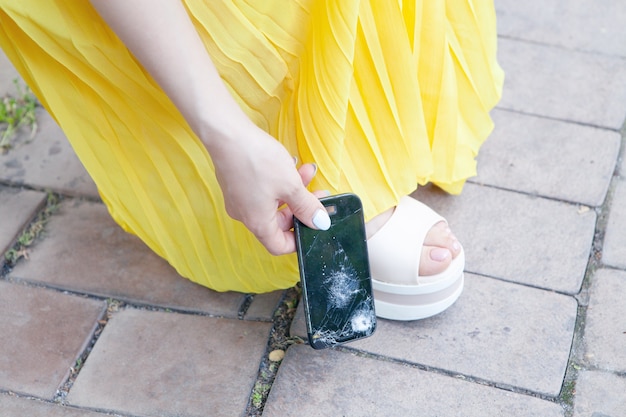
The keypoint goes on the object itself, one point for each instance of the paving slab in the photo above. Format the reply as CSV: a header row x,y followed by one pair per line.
x,y
166,364
46,161
84,250
497,331
605,328
17,209
549,158
517,237
21,407
614,248
572,24
557,83
8,74
600,394
333,383
43,333
264,305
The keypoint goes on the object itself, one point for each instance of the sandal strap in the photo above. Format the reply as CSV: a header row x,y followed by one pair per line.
x,y
395,250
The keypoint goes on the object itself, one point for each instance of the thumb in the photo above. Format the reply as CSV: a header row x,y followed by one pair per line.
x,y
309,210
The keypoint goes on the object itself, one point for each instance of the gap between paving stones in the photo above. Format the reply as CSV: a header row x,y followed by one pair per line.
x,y
35,228
69,407
557,119
534,195
576,362
279,339
557,46
455,375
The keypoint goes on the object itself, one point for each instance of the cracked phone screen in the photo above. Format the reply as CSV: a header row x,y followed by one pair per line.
x,y
334,269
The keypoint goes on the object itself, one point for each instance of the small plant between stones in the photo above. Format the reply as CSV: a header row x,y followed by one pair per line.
x,y
16,112
279,342
32,232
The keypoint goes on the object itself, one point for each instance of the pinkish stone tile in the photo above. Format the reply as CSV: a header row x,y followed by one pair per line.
x,y
17,209
518,237
549,158
166,364
46,161
43,333
562,84
84,250
614,249
605,327
572,24
263,306
333,383
600,394
505,333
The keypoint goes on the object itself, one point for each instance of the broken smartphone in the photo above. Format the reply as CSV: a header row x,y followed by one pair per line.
x,y
335,275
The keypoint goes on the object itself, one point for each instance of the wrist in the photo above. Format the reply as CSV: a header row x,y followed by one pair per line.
x,y
221,132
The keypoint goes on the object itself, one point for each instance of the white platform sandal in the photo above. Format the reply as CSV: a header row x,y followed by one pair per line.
x,y
395,255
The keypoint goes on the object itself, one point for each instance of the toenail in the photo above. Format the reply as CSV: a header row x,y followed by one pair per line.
x,y
439,254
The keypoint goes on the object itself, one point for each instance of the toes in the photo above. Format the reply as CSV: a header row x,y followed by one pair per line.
x,y
440,235
434,260
440,248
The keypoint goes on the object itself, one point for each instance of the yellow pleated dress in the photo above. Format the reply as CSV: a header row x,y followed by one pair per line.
x,y
382,95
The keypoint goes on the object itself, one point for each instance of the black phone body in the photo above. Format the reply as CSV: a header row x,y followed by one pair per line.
x,y
335,275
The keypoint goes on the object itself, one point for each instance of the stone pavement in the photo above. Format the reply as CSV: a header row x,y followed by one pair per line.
x,y
94,324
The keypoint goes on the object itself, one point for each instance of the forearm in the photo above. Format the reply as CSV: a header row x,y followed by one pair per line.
x,y
255,172
162,37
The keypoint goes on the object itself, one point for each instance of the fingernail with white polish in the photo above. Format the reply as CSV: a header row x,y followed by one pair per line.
x,y
321,220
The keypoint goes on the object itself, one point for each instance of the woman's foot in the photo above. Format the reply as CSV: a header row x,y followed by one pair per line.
x,y
416,263
439,249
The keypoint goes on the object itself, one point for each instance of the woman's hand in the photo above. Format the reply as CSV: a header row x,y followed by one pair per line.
x,y
257,176
255,172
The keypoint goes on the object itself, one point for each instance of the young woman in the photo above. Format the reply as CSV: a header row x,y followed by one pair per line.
x,y
190,115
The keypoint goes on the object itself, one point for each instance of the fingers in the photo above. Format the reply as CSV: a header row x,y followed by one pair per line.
x,y
285,215
307,208
276,240
276,234
307,172
305,205
279,239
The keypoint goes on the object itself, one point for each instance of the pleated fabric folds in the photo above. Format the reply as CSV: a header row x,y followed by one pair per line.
x,y
382,95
